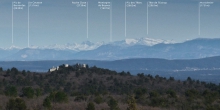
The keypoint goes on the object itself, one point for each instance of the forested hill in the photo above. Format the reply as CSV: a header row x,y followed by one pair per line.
x,y
93,88
124,64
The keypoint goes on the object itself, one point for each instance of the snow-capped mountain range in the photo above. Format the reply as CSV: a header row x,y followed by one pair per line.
x,y
74,46
125,49
87,45
142,41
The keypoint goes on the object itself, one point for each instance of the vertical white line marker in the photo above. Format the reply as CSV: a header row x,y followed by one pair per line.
x,y
28,24
12,24
87,20
199,19
125,20
147,19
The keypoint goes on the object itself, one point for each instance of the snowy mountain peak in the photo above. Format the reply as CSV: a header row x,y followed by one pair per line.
x,y
151,42
88,45
11,48
74,46
143,41
131,41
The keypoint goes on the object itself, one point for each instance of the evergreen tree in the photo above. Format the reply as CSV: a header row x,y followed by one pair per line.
x,y
113,104
47,103
28,92
38,92
11,91
131,103
61,97
90,106
16,104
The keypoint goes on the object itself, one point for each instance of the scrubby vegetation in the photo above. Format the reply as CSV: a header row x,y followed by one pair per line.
x,y
92,88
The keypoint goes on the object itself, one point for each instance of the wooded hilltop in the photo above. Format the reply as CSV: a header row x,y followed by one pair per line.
x,y
91,88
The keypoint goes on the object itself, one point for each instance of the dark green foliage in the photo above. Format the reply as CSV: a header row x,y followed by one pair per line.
x,y
47,88
8,71
77,74
1,69
60,97
93,87
80,98
197,81
67,87
16,104
171,93
95,84
52,96
24,73
87,66
38,92
113,104
98,99
11,91
47,103
189,79
158,102
140,92
90,106
209,96
154,94
28,92
131,103
14,70
141,75
192,93
171,79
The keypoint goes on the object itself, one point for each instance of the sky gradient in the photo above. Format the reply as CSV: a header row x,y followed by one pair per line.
x,y
61,22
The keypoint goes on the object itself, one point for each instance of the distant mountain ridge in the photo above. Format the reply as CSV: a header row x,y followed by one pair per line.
x,y
206,69
126,49
192,49
87,45
153,64
141,41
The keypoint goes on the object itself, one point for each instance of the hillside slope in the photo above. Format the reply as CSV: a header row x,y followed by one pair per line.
x,y
74,87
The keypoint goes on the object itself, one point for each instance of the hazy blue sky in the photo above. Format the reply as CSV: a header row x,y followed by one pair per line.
x,y
61,22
